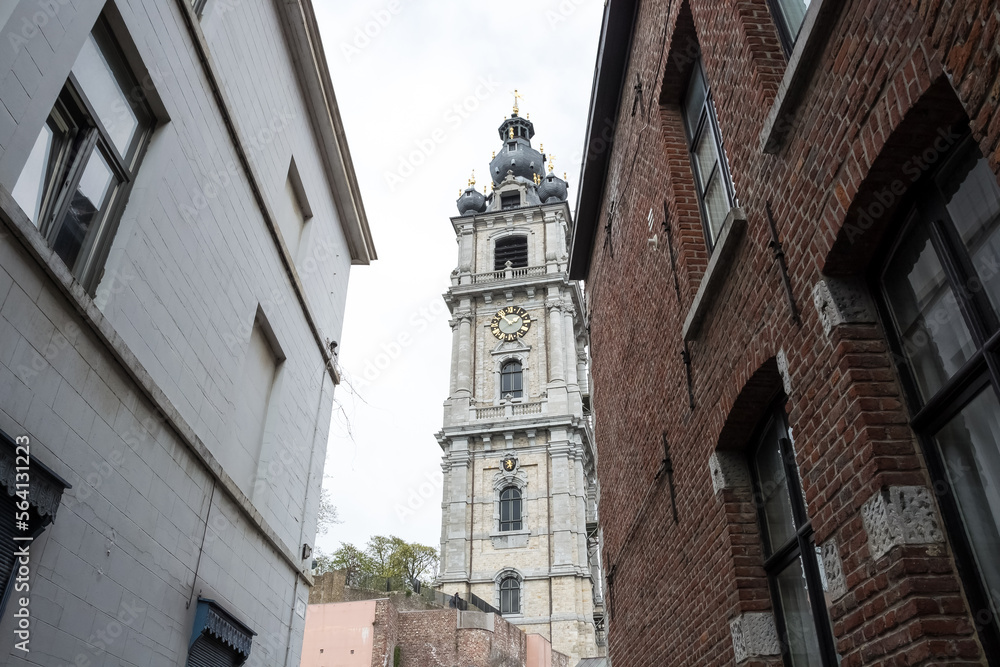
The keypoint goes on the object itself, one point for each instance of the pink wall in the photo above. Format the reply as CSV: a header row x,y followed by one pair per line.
x,y
539,652
338,629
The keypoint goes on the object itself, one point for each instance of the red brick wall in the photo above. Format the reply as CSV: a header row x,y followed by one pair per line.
x,y
891,74
431,639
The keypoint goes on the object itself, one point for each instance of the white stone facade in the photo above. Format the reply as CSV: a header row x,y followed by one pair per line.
x,y
545,430
129,387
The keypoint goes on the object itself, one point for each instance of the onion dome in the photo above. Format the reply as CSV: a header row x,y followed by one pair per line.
x,y
471,201
552,189
517,155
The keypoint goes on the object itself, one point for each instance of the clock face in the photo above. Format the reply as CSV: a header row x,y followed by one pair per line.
x,y
510,323
509,464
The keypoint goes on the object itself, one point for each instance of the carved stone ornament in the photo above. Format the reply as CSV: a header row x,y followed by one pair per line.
x,y
833,570
900,515
754,634
842,301
728,470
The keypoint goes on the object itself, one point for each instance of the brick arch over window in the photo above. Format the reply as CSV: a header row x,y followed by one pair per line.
x,y
875,181
750,405
680,197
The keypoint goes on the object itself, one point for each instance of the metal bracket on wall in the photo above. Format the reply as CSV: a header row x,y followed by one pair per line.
x,y
670,249
686,356
668,466
779,255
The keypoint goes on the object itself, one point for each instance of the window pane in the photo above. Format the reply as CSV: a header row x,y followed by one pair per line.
x,y
774,495
30,186
935,338
84,208
716,205
694,103
973,200
803,645
970,449
105,94
706,157
794,13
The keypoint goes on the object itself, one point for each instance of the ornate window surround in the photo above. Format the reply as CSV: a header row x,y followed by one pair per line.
x,y
504,479
503,575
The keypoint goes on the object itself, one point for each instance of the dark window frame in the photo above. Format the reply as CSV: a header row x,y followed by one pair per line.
x,y
511,585
783,27
512,379
513,247
979,374
707,121
802,546
86,135
512,499
507,201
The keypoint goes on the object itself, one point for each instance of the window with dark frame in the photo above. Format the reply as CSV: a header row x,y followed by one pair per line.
x,y
513,249
791,559
81,168
789,16
708,159
939,297
510,596
511,379
510,509
509,201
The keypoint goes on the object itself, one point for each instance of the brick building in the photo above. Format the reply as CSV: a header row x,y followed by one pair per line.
x,y
789,227
375,633
179,216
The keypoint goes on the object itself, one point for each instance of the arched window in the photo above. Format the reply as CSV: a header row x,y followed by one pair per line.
x,y
510,596
510,509
940,298
511,379
510,248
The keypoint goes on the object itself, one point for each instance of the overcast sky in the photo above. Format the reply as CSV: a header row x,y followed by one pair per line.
x,y
423,87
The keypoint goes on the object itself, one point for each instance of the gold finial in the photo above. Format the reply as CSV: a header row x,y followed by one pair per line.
x,y
565,178
535,178
552,160
517,96
472,181
529,116
484,189
541,148
494,156
511,133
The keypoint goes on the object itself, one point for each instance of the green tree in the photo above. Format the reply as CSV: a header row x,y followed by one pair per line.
x,y
414,561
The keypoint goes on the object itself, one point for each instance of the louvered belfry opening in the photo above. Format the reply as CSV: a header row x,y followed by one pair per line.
x,y
513,249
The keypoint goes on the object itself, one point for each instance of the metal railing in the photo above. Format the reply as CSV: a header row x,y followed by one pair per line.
x,y
472,602
507,274
509,410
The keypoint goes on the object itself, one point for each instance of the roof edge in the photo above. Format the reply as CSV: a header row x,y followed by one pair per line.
x,y
302,33
613,55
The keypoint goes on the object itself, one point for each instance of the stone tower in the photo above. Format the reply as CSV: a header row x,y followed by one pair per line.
x,y
519,526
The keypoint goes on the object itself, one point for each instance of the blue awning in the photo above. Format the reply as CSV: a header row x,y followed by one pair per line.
x,y
213,620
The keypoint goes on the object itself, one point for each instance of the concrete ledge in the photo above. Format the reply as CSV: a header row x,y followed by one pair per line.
x,y
813,36
715,275
476,620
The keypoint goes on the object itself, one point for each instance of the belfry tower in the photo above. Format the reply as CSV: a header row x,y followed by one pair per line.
x,y
520,491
